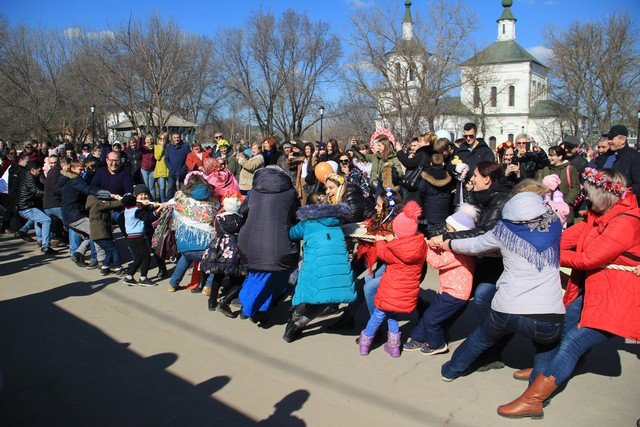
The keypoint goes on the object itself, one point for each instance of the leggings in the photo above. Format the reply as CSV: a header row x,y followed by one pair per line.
x,y
141,255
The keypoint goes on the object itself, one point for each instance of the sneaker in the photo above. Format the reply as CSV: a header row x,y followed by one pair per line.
x,y
118,271
78,259
226,310
433,351
93,264
24,236
146,282
206,291
447,380
48,251
162,274
130,281
105,271
172,288
413,345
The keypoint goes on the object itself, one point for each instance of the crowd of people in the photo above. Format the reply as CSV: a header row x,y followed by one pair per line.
x,y
358,223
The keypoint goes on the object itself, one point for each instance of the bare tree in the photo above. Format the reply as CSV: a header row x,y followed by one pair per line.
x,y
277,68
596,72
406,79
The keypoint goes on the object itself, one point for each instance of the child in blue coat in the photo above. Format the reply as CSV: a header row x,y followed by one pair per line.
x,y
325,274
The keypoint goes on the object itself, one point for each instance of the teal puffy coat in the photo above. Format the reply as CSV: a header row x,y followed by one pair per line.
x,y
325,275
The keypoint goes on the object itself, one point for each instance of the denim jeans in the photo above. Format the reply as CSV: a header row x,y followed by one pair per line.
x,y
430,328
42,224
147,178
162,189
183,264
107,252
544,334
482,297
57,212
575,343
173,185
371,283
376,319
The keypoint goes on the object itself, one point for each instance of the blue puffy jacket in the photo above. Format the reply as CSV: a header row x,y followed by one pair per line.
x,y
325,276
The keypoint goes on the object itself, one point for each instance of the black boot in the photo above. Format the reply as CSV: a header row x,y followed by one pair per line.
x,y
203,280
292,332
212,304
224,307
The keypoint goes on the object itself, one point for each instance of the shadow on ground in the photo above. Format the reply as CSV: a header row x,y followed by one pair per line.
x,y
60,370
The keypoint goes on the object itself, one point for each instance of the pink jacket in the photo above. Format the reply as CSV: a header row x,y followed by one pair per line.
x,y
455,270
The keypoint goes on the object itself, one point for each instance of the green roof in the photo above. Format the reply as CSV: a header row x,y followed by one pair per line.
x,y
407,11
452,106
501,52
507,15
545,108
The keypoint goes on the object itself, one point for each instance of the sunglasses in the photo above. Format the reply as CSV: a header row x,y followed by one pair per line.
x,y
217,137
468,136
521,142
344,161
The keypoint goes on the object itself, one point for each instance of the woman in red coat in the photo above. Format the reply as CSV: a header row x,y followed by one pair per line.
x,y
400,283
196,157
603,294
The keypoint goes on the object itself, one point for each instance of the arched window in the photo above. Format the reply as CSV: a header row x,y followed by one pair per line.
x,y
512,96
510,137
398,72
503,28
476,96
412,73
494,96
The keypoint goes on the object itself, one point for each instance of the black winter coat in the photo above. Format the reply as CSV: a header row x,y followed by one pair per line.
x,y
16,174
628,164
52,195
222,255
74,197
270,209
30,192
435,190
531,162
489,203
360,207
482,153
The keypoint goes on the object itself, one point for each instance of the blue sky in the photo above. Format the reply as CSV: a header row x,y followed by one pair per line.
x,y
207,17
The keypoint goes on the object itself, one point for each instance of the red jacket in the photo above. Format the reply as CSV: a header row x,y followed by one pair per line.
x,y
193,162
611,297
400,282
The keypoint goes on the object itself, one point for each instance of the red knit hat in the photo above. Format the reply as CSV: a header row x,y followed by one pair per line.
x,y
406,223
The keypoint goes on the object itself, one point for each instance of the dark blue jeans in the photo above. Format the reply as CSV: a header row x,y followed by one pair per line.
x,y
575,343
429,328
544,335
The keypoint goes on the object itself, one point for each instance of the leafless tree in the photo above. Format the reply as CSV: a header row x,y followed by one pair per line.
x,y
405,81
596,72
277,68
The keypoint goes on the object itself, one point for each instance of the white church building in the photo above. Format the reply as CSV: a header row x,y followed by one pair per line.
x,y
503,89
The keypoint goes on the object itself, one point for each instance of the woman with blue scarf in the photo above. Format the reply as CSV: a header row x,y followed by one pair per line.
x,y
193,213
529,295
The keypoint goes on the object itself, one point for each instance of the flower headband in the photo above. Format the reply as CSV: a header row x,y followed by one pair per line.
x,y
335,178
186,178
392,202
382,132
599,179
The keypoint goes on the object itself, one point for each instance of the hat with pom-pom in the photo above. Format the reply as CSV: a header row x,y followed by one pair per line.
x,y
464,218
406,223
551,181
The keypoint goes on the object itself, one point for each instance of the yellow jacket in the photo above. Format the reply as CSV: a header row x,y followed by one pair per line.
x,y
161,170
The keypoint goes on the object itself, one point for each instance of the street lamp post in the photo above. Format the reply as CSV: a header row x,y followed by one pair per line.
x,y
638,133
93,123
321,110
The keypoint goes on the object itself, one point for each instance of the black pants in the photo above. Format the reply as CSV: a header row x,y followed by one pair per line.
x,y
141,255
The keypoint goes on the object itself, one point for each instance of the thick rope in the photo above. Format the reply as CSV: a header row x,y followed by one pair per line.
x,y
620,267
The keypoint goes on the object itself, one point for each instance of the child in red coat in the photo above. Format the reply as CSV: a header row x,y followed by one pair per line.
x,y
400,283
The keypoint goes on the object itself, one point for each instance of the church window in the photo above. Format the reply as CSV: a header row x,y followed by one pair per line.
x,y
512,96
398,71
510,137
412,73
494,96
476,96
503,28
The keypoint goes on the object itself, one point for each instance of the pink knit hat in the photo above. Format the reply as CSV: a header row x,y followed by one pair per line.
x,y
551,181
406,223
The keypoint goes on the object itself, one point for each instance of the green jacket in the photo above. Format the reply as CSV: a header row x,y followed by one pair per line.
x,y
377,165
100,217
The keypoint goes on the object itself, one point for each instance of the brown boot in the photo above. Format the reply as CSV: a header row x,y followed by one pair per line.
x,y
530,403
523,374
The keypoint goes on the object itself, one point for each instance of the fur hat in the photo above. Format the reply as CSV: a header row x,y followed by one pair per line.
x,y
551,181
406,223
231,204
464,218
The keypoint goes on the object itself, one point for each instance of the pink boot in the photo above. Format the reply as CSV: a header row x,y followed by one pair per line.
x,y
393,344
365,344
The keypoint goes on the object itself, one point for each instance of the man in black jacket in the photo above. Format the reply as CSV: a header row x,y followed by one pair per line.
x,y
474,151
570,144
627,159
30,194
52,199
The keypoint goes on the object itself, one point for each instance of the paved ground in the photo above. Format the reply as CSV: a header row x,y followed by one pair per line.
x,y
79,349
